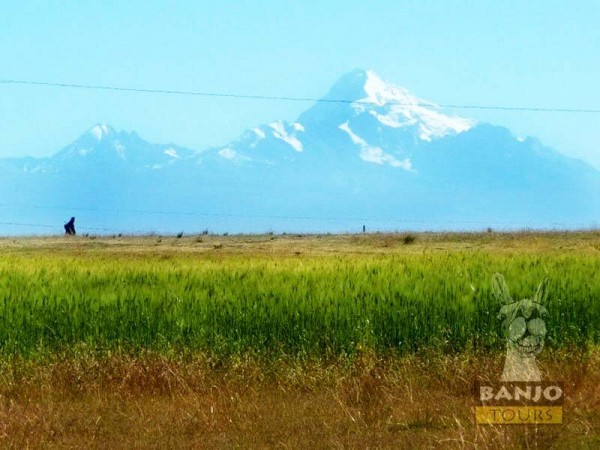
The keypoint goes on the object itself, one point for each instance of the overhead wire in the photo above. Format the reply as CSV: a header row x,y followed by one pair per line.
x,y
289,98
492,223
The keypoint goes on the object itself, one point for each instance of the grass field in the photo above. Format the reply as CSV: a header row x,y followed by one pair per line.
x,y
285,341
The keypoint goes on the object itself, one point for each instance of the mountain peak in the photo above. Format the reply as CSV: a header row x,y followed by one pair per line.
x,y
349,86
362,95
367,86
381,93
101,130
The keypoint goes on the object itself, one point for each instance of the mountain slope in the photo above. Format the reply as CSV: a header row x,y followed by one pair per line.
x,y
369,152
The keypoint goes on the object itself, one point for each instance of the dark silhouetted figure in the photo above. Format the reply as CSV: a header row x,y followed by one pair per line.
x,y
364,229
70,227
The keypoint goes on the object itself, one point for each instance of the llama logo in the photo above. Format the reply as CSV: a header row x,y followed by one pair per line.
x,y
524,328
521,397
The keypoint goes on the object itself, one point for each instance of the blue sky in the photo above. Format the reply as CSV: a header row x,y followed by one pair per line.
x,y
513,53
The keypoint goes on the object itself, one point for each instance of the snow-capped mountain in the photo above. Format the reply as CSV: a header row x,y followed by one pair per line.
x,y
102,146
383,123
369,151
102,149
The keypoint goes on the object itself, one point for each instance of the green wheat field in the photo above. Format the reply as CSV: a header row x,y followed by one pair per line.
x,y
300,305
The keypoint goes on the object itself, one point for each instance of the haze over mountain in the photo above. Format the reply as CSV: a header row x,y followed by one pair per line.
x,y
369,153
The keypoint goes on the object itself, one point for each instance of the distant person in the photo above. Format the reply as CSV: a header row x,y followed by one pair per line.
x,y
364,229
70,227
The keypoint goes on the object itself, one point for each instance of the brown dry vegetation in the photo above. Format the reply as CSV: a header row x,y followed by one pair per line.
x,y
156,401
309,244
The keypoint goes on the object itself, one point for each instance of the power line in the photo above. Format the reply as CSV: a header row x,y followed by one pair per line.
x,y
287,98
21,224
248,216
146,232
269,216
43,225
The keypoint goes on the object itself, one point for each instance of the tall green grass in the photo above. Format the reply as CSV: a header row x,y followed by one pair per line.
x,y
304,306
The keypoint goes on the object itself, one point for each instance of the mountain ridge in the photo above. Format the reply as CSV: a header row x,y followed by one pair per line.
x,y
370,149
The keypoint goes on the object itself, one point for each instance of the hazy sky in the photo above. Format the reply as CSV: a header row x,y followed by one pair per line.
x,y
511,53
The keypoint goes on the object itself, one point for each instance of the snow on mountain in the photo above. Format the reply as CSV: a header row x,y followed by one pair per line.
x,y
374,154
362,118
395,107
279,131
172,153
278,141
102,146
100,130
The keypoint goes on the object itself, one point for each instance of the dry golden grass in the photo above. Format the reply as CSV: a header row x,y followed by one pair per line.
x,y
308,244
196,401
